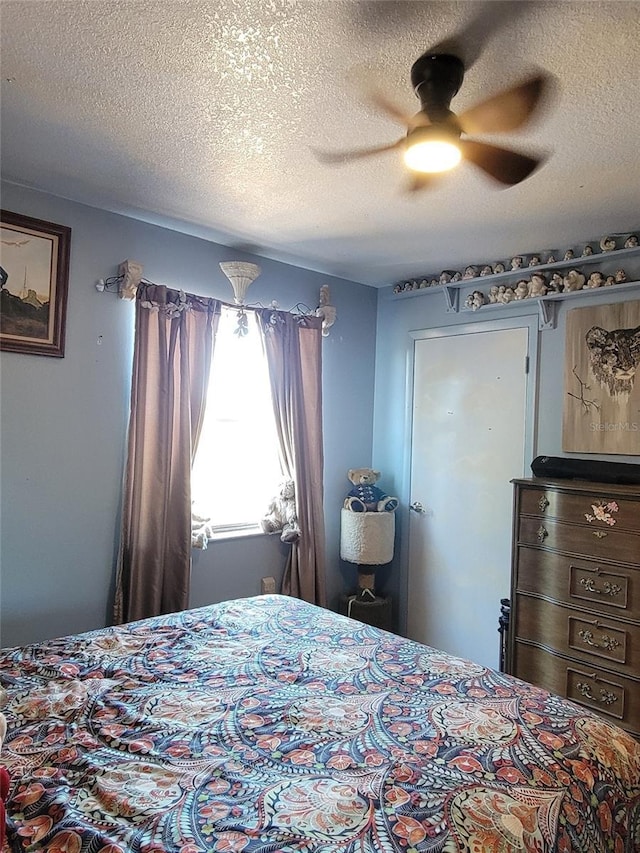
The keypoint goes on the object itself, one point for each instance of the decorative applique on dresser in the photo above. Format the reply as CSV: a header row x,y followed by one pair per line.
x,y
575,593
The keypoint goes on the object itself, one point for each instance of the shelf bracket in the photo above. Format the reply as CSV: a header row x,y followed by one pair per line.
x,y
452,296
547,314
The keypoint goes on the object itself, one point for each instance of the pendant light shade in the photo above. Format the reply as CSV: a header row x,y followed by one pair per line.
x,y
241,275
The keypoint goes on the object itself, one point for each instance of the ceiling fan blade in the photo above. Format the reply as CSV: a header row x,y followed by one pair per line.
x,y
383,104
371,92
332,157
504,165
487,21
507,110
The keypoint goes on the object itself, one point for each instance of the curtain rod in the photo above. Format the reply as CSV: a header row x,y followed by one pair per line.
x,y
129,278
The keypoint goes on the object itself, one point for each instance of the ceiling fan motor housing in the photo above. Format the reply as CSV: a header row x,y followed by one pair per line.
x,y
436,78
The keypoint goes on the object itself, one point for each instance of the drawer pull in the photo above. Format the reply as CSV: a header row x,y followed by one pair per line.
x,y
606,697
542,533
543,503
600,534
611,589
606,642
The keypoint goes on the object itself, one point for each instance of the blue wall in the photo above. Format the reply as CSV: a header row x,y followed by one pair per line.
x,y
398,315
63,424
63,421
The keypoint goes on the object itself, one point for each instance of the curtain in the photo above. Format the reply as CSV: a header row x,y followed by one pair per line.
x,y
174,339
293,346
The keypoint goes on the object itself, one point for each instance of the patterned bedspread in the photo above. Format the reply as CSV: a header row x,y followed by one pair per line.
x,y
267,725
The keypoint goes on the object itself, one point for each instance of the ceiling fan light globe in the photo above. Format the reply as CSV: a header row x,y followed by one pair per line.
x,y
432,155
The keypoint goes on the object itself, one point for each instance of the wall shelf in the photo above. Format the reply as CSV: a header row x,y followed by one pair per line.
x,y
547,305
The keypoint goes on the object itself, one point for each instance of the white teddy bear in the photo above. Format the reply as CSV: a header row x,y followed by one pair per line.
x,y
281,515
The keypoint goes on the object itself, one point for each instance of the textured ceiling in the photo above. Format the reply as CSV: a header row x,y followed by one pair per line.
x,y
201,116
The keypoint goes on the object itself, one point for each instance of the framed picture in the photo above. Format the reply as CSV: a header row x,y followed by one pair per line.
x,y
602,380
34,278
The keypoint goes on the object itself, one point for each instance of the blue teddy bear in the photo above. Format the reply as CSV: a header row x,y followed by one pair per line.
x,y
365,495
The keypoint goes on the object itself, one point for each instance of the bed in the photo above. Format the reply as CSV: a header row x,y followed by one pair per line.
x,y
267,724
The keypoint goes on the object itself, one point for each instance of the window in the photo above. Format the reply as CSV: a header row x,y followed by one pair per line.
x,y
237,468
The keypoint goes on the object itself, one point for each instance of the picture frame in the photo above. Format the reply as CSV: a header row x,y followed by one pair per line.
x,y
601,388
34,281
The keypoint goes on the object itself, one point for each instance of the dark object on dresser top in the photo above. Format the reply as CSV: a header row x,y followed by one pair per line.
x,y
586,469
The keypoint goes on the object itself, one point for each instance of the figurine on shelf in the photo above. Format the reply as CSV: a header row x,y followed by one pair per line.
x,y
508,295
568,255
486,270
475,300
478,299
445,277
434,282
588,250
423,283
470,272
535,261
596,279
456,277
397,288
538,285
620,276
522,289
499,267
493,294
551,259
517,263
609,281
607,244
556,285
573,280
631,242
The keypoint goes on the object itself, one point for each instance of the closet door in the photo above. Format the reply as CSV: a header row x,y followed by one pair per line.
x,y
468,441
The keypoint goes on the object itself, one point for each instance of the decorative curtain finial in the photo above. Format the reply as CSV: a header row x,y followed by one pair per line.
x,y
326,310
131,273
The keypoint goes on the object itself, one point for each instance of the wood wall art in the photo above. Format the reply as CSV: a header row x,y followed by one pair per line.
x,y
34,278
602,380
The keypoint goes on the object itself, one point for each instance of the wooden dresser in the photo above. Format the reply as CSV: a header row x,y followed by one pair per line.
x,y
575,594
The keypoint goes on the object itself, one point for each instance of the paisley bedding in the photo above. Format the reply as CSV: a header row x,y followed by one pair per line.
x,y
267,724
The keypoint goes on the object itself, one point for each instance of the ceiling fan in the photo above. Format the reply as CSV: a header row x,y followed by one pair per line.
x,y
437,139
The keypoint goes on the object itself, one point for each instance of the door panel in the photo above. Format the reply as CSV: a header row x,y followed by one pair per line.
x,y
468,442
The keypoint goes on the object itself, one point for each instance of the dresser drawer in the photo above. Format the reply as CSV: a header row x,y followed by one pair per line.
x,y
575,580
607,544
599,640
613,696
601,511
